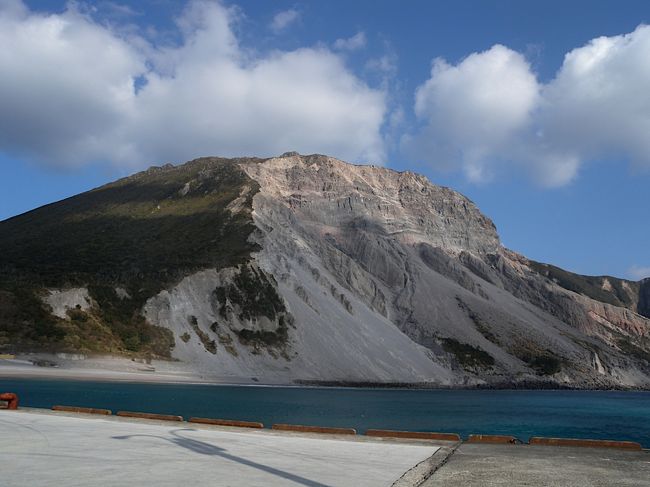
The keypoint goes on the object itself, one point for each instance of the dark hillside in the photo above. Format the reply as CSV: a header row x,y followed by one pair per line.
x,y
606,289
140,233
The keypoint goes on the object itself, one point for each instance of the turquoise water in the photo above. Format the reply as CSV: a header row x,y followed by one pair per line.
x,y
579,414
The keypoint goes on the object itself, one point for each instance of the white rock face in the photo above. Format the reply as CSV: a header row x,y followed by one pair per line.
x,y
335,195
598,365
389,278
62,300
325,344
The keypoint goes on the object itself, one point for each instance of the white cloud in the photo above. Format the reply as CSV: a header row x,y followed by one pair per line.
x,y
66,85
475,109
115,9
490,111
637,272
284,19
13,7
385,65
599,102
354,43
68,92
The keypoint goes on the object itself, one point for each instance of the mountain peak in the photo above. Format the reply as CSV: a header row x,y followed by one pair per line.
x,y
305,267
405,204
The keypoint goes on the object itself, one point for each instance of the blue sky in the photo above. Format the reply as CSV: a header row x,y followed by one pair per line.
x,y
537,112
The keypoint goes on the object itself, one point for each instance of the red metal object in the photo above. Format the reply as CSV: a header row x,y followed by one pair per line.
x,y
11,399
623,445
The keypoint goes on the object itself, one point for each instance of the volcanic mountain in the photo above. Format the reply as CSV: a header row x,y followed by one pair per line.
x,y
309,269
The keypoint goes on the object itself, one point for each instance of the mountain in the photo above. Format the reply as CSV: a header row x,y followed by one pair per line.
x,y
310,269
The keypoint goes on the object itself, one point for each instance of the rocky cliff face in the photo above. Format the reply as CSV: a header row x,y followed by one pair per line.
x,y
333,272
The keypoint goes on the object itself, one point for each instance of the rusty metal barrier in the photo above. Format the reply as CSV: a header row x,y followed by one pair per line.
x,y
78,409
11,399
414,435
159,417
227,422
314,429
493,439
623,445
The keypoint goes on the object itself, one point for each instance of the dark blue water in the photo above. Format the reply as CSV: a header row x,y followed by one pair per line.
x,y
578,414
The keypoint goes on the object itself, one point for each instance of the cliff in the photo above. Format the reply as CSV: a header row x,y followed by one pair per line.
x,y
308,268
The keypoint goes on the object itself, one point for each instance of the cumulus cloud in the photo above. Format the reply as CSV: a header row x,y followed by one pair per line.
x,y
490,111
65,84
284,19
638,272
474,109
74,91
354,43
600,100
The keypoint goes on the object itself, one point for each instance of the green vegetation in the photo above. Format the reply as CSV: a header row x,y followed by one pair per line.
x,y
545,364
209,345
122,317
253,293
269,338
481,326
78,315
226,340
466,354
24,320
143,234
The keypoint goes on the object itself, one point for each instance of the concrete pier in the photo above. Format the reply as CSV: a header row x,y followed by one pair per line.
x,y
41,448
44,448
476,465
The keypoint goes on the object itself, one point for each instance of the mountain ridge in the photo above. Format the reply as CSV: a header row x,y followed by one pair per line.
x,y
306,268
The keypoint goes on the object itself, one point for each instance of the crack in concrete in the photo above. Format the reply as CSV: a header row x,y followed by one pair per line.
x,y
420,473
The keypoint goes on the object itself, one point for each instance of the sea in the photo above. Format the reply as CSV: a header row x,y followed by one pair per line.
x,y
618,415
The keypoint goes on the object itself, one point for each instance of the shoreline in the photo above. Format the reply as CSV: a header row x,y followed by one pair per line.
x,y
17,372
143,378
110,370
56,373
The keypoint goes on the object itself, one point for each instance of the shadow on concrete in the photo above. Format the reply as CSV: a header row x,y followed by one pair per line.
x,y
203,448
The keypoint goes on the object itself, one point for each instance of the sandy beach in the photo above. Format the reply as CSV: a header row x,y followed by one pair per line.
x,y
113,369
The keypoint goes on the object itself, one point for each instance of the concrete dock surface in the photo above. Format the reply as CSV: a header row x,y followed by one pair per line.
x,y
44,448
47,449
477,465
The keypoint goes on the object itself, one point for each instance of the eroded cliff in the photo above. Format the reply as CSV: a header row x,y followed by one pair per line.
x,y
308,268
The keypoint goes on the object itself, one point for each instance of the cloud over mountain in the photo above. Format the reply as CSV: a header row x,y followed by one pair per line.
x,y
490,110
75,90
474,110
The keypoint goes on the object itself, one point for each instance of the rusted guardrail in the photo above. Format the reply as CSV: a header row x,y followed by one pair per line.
x,y
160,417
78,409
623,445
493,439
227,422
12,403
314,429
415,435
